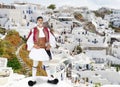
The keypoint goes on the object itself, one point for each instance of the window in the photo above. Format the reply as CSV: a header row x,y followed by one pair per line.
x,y
27,11
31,11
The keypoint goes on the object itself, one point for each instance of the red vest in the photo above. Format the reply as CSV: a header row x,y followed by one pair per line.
x,y
36,34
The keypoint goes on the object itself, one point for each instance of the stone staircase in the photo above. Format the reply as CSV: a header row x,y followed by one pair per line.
x,y
24,65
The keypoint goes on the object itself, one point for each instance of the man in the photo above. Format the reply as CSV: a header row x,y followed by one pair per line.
x,y
38,43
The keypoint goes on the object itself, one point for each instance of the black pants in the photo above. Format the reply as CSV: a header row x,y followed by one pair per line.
x,y
49,54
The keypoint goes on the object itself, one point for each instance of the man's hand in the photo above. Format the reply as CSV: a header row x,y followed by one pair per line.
x,y
48,47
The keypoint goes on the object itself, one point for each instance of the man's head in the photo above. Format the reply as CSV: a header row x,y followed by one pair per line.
x,y
40,20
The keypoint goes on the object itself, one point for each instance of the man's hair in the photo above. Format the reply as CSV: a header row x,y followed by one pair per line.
x,y
40,17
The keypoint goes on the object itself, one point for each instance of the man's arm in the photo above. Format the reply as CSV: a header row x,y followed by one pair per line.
x,y
30,42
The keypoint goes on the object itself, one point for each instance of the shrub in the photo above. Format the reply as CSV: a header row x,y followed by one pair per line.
x,y
79,49
14,63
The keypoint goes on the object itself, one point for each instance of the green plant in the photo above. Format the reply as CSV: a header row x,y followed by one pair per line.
x,y
97,85
1,51
2,31
51,6
6,49
79,49
117,69
14,63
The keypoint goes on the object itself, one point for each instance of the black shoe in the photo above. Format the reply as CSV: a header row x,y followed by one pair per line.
x,y
31,83
55,81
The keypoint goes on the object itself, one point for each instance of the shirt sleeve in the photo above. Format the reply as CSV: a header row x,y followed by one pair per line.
x,y
52,40
30,42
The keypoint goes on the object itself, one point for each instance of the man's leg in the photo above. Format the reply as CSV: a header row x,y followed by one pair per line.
x,y
50,71
34,70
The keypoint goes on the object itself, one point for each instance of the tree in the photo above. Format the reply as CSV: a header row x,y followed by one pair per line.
x,y
117,68
51,6
79,49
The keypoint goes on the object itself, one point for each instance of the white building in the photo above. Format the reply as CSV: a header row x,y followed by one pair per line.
x,y
5,72
10,18
22,17
116,49
114,18
29,11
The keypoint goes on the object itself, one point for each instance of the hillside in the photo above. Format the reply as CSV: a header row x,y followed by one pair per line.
x,y
9,44
8,47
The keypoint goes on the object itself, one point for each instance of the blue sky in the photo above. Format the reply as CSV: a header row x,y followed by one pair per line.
x,y
92,4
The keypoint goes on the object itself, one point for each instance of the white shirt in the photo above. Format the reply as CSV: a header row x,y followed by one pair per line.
x,y
41,33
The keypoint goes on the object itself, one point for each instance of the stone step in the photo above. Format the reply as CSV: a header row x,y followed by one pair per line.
x,y
24,65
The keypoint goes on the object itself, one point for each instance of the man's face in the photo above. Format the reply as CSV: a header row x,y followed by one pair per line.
x,y
40,21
